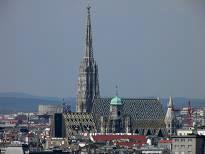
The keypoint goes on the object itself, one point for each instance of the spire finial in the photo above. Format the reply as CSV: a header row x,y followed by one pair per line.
x,y
116,90
89,48
170,104
88,8
88,3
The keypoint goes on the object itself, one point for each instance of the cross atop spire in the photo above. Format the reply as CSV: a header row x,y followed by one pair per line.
x,y
89,47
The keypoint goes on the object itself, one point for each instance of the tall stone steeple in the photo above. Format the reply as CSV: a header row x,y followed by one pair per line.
x,y
88,83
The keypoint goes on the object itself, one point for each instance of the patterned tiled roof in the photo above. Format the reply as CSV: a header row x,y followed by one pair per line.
x,y
144,113
80,122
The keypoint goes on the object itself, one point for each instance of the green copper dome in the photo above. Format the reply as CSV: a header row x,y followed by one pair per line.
x,y
116,101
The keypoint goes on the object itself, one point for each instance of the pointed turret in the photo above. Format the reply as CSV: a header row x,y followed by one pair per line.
x,y
89,47
170,104
170,119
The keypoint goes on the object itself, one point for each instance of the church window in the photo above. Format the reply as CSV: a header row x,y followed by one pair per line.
x,y
118,113
136,131
148,132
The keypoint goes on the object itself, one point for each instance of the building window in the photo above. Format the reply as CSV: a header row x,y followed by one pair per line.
x,y
189,146
182,146
189,140
118,113
189,152
176,140
182,140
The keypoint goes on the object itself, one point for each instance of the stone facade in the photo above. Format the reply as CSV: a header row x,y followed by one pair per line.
x,y
190,144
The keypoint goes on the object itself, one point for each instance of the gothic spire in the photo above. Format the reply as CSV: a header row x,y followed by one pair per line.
x,y
89,47
170,104
88,84
170,118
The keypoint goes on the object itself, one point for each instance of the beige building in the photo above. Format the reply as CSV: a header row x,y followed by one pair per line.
x,y
184,132
190,144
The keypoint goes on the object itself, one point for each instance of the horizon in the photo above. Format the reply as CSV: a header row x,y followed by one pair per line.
x,y
147,50
59,97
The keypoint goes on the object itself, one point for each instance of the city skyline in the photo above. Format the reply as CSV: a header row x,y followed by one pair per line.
x,y
147,50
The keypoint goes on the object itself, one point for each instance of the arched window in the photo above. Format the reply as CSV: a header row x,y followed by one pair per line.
x,y
137,131
160,134
118,113
148,132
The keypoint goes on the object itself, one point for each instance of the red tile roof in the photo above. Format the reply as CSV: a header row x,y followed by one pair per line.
x,y
139,138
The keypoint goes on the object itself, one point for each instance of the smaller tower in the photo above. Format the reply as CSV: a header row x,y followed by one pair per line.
x,y
115,108
170,118
115,119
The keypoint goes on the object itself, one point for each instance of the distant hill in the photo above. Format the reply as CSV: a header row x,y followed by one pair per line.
x,y
22,102
25,95
15,94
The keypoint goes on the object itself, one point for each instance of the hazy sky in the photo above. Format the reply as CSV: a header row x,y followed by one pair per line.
x,y
146,47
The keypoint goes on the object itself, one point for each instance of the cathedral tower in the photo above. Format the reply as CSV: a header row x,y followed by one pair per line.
x,y
88,83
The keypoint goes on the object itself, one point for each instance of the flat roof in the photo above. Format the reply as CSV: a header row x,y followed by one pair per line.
x,y
189,136
14,150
